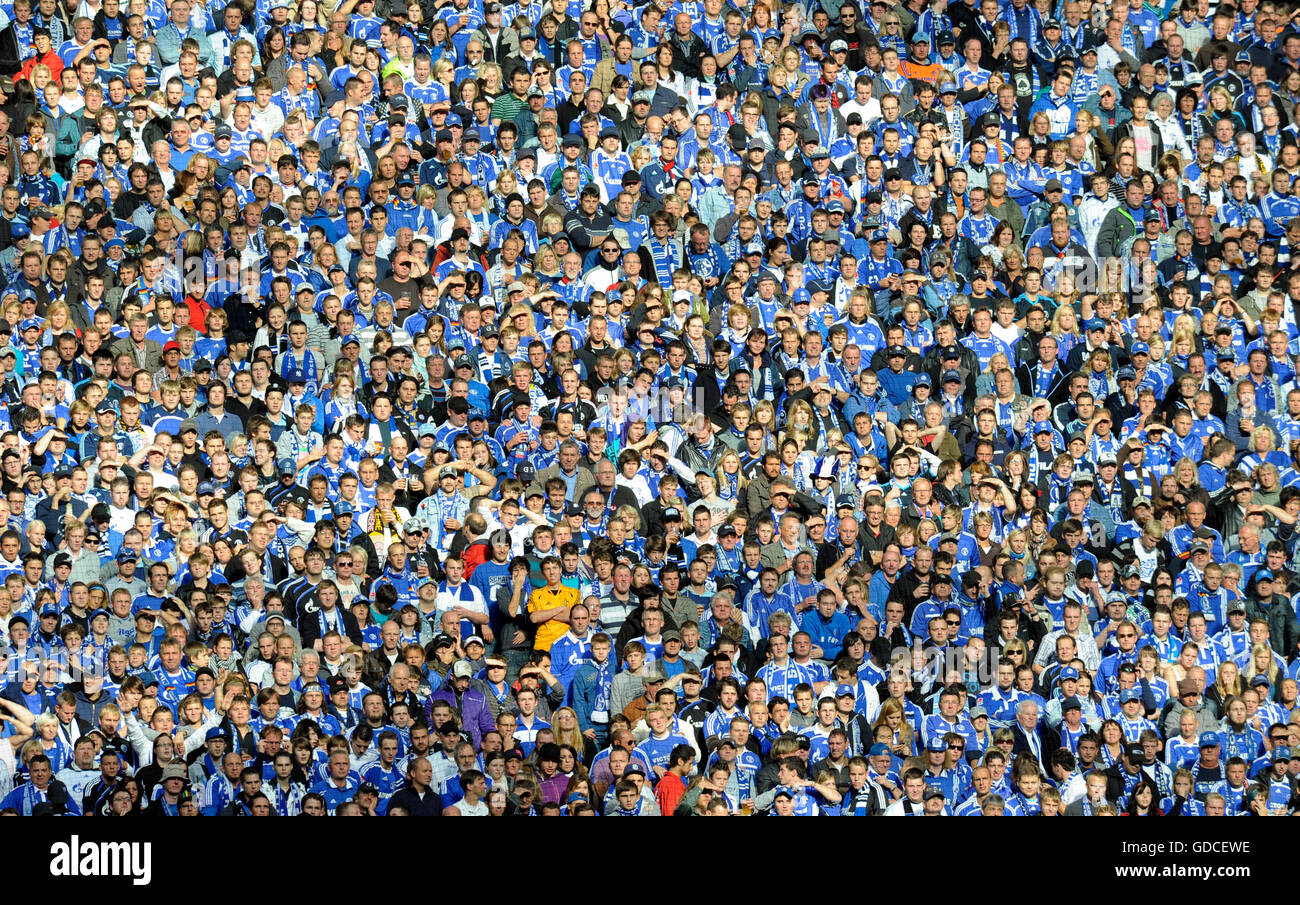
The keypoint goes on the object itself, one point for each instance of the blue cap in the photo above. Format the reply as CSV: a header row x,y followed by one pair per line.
x,y
1071,703
126,554
1281,752
1094,323
878,749
1069,672
1043,427
206,488
842,690
29,323
428,429
114,243
296,375
923,380
214,733
1140,349
1263,575
50,609
949,376
287,466
835,205
95,614
343,507
348,340
1129,694
19,230
936,743
782,790
477,415
878,236
1209,740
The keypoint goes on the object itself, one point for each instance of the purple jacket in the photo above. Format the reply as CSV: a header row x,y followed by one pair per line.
x,y
475,715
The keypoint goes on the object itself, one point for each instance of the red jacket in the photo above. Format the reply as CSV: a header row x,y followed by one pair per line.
x,y
51,59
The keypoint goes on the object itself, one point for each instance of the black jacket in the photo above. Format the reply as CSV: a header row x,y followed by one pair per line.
x,y
1048,741
427,805
310,627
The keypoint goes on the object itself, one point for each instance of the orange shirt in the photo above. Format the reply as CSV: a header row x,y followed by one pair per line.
x,y
928,72
544,598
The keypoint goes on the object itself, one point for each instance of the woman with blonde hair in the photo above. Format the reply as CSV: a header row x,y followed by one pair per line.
x,y
1228,683
58,320
765,417
202,166
730,477
567,732
799,416
490,81
1263,662
1219,105
507,185
546,264
1007,254
893,718
641,157
443,72
739,322
1065,328
1040,130
791,61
